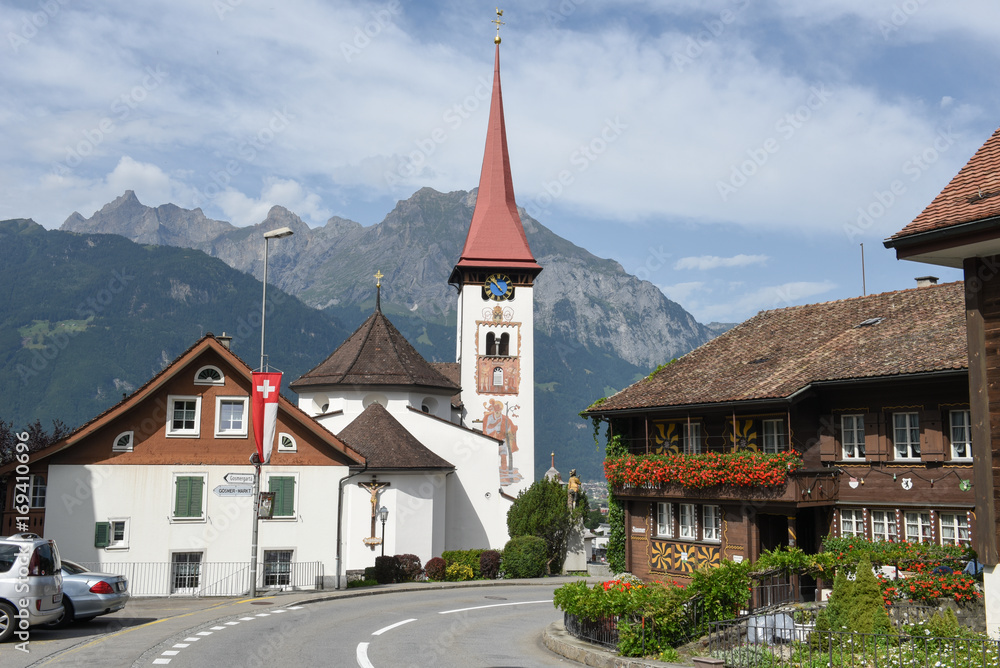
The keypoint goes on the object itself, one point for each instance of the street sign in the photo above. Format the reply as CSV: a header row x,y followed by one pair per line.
x,y
239,478
234,490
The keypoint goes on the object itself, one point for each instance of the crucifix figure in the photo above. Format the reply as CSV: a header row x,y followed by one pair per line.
x,y
373,488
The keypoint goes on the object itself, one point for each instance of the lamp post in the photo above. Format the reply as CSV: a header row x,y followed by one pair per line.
x,y
279,233
383,513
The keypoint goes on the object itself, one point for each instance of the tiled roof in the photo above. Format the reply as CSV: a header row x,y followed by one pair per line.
x,y
496,236
453,372
375,354
776,353
974,194
386,444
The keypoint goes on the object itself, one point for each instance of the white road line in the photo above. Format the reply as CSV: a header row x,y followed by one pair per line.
x,y
204,633
495,605
171,652
231,623
279,611
392,626
263,614
182,645
362,656
295,607
218,628
192,639
165,661
246,619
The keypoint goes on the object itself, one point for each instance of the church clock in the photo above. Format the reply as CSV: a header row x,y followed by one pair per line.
x,y
498,287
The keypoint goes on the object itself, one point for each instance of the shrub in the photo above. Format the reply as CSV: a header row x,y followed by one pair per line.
x,y
725,589
524,557
362,583
458,573
408,567
385,570
867,613
435,568
468,558
369,573
489,564
541,510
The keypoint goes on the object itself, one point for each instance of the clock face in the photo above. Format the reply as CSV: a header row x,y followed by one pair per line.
x,y
498,287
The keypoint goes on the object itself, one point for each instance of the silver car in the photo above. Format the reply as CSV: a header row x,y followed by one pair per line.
x,y
30,584
87,594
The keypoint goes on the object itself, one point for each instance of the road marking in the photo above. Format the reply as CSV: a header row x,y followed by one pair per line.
x,y
218,628
278,611
263,614
205,633
171,652
192,639
246,619
295,607
231,623
392,626
495,605
362,656
182,645
164,661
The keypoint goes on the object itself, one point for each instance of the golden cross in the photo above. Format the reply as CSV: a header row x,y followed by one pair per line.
x,y
378,278
499,23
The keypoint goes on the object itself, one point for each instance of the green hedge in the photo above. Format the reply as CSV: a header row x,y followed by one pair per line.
x,y
524,557
468,558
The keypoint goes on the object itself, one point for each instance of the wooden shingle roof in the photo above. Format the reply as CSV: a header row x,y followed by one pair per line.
x,y
777,353
375,354
386,444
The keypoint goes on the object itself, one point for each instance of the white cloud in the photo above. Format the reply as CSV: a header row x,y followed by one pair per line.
x,y
701,299
242,210
680,292
706,262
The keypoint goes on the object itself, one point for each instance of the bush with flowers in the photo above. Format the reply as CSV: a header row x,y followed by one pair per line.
x,y
740,469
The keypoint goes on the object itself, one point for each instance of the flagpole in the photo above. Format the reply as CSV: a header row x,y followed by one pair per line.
x,y
279,233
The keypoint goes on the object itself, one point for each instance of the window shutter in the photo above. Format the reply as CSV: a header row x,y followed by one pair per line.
x,y
875,442
284,495
931,441
102,534
197,484
182,498
827,448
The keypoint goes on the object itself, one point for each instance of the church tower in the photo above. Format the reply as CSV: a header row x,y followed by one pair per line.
x,y
495,276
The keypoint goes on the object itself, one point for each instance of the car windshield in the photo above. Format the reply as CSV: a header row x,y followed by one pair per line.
x,y
73,568
8,555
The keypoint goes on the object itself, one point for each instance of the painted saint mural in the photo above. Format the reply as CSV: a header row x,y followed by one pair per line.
x,y
498,423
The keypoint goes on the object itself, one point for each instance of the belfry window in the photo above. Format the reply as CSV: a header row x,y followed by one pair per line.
x,y
497,376
504,347
491,343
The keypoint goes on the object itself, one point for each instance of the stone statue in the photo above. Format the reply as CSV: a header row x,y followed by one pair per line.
x,y
573,488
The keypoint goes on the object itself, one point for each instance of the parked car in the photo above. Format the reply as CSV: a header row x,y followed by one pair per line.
x,y
29,573
87,594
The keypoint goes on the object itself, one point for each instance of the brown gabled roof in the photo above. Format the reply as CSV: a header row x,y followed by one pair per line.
x,y
973,195
386,444
777,353
453,372
375,354
207,342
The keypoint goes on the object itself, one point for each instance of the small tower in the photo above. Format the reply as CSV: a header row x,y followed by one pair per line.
x,y
495,277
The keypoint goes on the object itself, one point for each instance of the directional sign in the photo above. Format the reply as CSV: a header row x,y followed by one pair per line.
x,y
234,490
239,478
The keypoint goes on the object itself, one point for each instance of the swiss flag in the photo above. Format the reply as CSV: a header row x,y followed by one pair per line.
x,y
265,411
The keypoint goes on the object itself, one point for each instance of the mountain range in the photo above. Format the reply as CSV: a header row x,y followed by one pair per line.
x,y
114,297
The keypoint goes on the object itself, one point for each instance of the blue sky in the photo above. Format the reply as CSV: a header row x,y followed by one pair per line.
x,y
736,153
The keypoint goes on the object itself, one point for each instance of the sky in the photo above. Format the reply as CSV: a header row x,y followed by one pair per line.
x,y
739,154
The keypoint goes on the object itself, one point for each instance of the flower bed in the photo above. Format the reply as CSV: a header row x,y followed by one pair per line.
x,y
743,469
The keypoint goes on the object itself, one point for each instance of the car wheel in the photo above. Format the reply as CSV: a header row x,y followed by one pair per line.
x,y
66,618
8,621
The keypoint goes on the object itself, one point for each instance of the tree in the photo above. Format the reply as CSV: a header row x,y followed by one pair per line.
x,y
542,511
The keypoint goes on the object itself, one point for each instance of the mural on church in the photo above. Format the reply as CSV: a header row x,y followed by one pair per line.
x,y
498,375
498,423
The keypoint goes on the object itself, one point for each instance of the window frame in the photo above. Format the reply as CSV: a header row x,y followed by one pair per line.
x,y
857,522
221,380
921,524
129,447
231,433
967,413
174,589
174,517
283,448
686,438
278,575
960,525
691,528
888,521
117,544
294,477
783,433
664,510
38,490
172,399
912,449
712,531
859,443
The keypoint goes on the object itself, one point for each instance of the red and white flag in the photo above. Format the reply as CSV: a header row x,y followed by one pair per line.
x,y
265,411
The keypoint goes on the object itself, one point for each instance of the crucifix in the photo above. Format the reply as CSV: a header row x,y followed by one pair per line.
x,y
373,488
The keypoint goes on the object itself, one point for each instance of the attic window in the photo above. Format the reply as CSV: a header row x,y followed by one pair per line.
x,y
124,442
869,322
209,375
286,443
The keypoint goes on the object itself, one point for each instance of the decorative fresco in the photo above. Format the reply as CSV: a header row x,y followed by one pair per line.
x,y
682,557
666,437
743,436
498,422
498,375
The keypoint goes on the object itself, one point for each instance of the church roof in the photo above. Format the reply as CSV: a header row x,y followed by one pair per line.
x,y
375,354
496,237
386,444
972,195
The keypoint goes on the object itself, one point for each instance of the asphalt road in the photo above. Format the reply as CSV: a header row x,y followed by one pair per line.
x,y
464,626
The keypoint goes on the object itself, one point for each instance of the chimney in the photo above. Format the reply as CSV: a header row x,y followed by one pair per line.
x,y
226,340
926,281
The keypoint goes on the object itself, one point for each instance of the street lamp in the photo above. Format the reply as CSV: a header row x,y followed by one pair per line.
x,y
279,233
383,513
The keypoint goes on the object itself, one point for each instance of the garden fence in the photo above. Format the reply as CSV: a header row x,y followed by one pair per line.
x,y
165,578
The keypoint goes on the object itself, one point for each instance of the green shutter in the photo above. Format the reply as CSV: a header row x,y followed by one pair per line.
x,y
102,534
187,502
284,495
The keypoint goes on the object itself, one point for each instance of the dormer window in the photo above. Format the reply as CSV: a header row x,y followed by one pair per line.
x,y
209,375
124,442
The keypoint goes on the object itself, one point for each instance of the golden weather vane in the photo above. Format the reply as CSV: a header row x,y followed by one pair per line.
x,y
378,278
499,23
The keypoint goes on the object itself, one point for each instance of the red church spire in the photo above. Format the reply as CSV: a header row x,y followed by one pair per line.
x,y
496,237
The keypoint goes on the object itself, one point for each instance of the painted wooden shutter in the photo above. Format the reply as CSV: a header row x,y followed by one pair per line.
x,y
102,534
197,485
931,441
187,502
876,445
284,495
827,447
